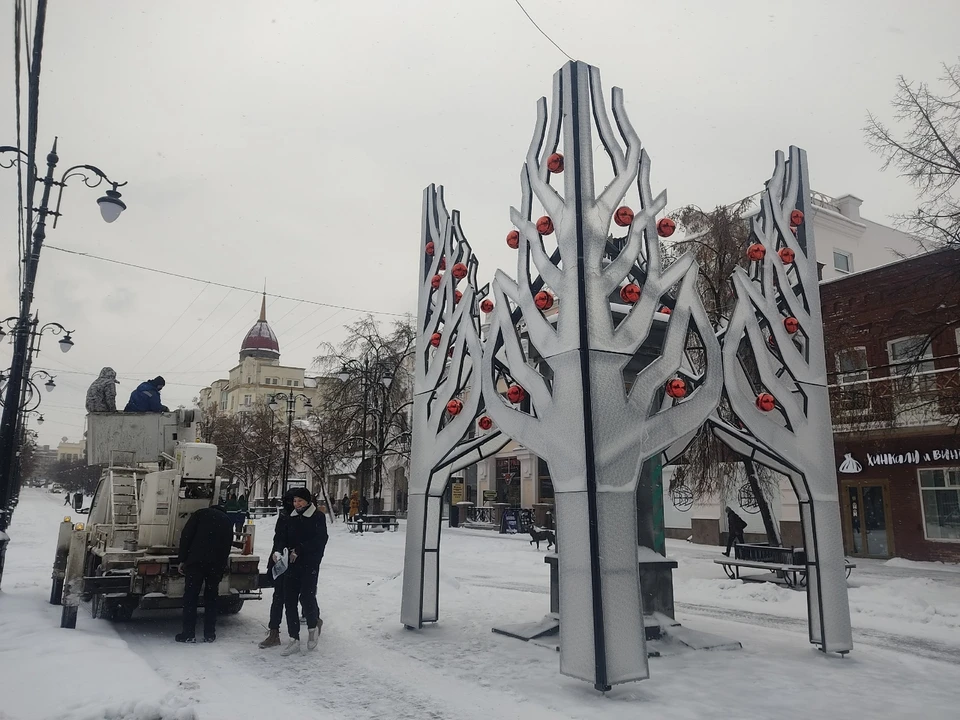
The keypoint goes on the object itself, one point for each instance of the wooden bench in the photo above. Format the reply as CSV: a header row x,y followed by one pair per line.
x,y
793,575
377,523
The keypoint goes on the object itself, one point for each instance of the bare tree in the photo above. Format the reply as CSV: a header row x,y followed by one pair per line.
x,y
375,392
251,444
318,442
927,153
718,239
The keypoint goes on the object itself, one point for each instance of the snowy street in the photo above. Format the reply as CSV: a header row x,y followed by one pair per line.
x,y
906,618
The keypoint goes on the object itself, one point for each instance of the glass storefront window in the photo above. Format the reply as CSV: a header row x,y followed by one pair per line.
x,y
940,500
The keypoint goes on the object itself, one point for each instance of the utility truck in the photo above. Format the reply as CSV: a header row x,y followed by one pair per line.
x,y
124,556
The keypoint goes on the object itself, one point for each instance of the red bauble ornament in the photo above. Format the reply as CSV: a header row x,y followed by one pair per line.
x,y
665,227
513,239
543,300
756,252
545,225
435,281
665,310
485,423
555,163
623,216
796,217
787,255
459,271
443,264
487,306
516,394
429,248
766,402
791,324
454,406
676,388
457,296
435,339
630,293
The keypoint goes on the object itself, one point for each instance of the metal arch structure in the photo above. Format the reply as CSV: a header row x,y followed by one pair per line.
x,y
447,355
594,375
597,407
760,354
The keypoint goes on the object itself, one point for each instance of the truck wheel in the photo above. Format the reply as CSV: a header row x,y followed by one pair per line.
x,y
56,591
229,606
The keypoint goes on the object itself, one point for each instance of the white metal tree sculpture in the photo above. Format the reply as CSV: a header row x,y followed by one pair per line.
x,y
596,407
776,385
444,406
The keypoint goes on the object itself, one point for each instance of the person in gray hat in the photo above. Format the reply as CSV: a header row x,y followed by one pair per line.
x,y
102,393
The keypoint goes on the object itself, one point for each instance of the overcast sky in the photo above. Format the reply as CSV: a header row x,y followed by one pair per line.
x,y
289,142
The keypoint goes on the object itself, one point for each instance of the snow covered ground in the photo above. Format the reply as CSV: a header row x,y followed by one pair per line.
x,y
906,662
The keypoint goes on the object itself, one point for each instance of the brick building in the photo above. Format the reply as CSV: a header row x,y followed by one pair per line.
x,y
892,338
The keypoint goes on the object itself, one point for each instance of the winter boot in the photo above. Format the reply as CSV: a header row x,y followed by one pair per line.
x,y
292,648
313,636
272,640
182,638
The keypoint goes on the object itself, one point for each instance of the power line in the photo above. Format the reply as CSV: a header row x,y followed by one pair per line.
x,y
219,284
541,30
202,323
223,327
172,325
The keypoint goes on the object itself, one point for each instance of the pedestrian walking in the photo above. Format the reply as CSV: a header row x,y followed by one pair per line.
x,y
279,600
345,507
735,527
204,553
364,506
102,393
66,500
306,539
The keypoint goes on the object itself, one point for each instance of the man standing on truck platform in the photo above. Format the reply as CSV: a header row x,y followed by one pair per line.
x,y
205,545
146,398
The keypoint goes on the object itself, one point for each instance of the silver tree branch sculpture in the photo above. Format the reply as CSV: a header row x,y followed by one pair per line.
x,y
776,385
596,370
444,405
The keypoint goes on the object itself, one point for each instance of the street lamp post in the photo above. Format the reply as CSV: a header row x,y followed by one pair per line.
x,y
24,329
291,399
346,372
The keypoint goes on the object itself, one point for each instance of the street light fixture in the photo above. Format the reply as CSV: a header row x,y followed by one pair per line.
x,y
50,385
291,400
66,344
111,205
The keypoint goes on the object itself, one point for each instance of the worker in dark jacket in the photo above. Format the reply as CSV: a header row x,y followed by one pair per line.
x,y
306,539
204,553
735,527
279,542
146,398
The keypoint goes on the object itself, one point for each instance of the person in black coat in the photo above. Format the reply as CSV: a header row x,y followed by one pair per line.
x,y
735,527
306,539
205,545
279,540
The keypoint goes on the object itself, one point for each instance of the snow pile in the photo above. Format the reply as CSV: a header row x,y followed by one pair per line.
x,y
922,566
169,708
915,600
701,591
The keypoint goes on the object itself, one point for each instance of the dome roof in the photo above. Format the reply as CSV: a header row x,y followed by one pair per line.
x,y
260,341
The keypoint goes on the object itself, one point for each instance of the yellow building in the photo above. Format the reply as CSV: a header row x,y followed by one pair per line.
x,y
260,375
71,451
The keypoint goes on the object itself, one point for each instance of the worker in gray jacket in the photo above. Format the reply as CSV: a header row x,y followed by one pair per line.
x,y
102,393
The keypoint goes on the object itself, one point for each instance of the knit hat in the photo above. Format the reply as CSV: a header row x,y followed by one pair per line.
x,y
158,381
303,494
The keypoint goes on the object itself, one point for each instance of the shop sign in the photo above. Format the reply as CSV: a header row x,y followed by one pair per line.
x,y
456,493
911,457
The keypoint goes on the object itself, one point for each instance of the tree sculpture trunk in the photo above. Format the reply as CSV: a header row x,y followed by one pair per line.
x,y
769,522
594,410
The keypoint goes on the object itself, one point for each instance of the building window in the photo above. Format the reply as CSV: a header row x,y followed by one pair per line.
x,y
248,379
842,261
852,372
508,481
247,400
289,383
296,383
912,361
940,500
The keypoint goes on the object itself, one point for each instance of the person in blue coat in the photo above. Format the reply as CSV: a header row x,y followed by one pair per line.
x,y
146,398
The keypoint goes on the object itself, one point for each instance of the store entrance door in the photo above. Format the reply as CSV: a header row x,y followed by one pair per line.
x,y
866,518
